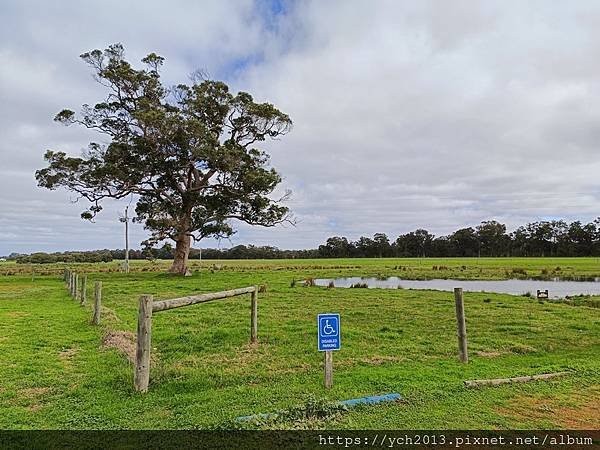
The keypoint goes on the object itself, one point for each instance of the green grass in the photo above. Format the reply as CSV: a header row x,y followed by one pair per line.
x,y
412,268
55,373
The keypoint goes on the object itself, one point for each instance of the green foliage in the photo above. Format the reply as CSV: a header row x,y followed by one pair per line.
x,y
518,271
66,257
489,239
313,409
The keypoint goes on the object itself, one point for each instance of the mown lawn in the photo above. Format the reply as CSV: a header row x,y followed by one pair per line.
x,y
55,371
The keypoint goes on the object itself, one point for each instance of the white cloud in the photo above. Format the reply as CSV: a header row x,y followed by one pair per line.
x,y
406,114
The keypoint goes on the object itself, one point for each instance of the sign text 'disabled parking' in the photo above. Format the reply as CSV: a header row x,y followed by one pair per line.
x,y
329,332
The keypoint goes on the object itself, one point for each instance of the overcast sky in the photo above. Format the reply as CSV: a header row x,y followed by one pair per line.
x,y
406,113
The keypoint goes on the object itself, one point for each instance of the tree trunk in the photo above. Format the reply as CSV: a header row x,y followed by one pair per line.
x,y
182,251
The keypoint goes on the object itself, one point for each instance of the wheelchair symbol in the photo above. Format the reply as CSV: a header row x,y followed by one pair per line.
x,y
329,327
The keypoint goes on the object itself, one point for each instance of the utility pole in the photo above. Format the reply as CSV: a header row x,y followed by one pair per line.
x,y
126,221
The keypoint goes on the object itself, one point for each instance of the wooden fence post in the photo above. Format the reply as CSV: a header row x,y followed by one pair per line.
x,y
144,335
83,294
254,316
76,287
97,302
328,369
463,355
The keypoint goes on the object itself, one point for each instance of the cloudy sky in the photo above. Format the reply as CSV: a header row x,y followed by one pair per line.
x,y
406,114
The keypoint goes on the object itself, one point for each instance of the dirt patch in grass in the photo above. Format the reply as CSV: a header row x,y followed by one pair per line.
x,y
521,349
488,354
67,354
31,398
586,417
35,392
122,341
15,314
381,359
108,314
583,412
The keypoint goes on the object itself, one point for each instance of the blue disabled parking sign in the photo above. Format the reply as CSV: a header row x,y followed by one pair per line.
x,y
329,332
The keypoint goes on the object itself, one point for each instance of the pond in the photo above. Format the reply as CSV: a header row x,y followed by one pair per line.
x,y
556,288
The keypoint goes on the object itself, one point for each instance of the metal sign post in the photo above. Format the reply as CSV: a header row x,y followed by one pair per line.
x,y
329,339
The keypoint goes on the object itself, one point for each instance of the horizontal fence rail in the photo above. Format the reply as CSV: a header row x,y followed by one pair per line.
x,y
164,305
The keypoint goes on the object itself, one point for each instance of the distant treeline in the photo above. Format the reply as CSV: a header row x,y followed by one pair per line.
x,y
92,256
490,238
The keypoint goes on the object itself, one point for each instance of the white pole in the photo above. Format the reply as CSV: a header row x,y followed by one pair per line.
x,y
126,240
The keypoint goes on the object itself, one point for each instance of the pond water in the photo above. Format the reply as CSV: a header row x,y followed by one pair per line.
x,y
556,288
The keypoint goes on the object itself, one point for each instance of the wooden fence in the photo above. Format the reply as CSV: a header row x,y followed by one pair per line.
x,y
77,286
144,329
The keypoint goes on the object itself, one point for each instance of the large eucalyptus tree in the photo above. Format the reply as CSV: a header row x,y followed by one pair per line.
x,y
188,153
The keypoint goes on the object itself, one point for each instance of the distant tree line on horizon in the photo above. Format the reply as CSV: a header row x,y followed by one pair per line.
x,y
489,239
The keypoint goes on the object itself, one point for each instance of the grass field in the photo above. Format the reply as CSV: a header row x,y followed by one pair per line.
x,y
58,371
411,268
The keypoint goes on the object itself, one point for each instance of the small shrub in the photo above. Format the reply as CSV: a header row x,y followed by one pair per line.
x,y
487,300
262,288
330,285
359,286
545,271
527,294
519,271
313,409
309,282
305,416
293,283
